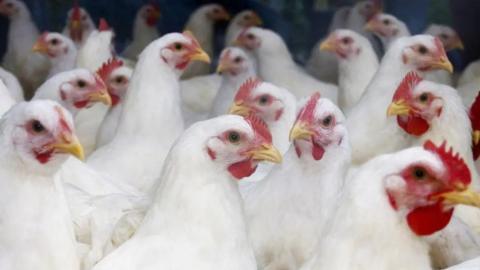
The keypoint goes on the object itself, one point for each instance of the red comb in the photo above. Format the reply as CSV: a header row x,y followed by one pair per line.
x,y
259,127
456,168
103,25
306,113
76,11
246,88
107,67
474,115
404,90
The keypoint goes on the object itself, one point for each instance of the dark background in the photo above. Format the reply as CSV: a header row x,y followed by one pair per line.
x,y
297,21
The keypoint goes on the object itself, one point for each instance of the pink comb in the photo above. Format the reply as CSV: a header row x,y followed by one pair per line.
x,y
404,90
456,168
306,114
259,127
192,38
103,25
108,67
246,88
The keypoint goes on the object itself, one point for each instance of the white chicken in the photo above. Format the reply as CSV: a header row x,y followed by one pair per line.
x,y
6,99
276,65
276,106
420,53
387,28
30,68
471,73
74,90
389,204
197,217
201,24
59,49
35,223
324,66
287,211
358,64
144,30
79,25
117,78
241,20
151,107
12,84
235,66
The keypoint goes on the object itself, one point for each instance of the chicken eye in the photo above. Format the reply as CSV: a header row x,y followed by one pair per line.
x,y
178,46
444,36
423,97
54,41
345,40
263,100
386,22
251,36
233,137
238,60
81,83
419,173
37,126
119,79
422,49
327,121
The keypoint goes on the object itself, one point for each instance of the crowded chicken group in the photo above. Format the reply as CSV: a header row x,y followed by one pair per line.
x,y
152,158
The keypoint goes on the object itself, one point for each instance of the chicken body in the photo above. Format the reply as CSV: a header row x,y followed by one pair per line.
x,y
12,84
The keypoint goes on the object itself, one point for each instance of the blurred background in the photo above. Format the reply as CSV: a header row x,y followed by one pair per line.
x,y
306,20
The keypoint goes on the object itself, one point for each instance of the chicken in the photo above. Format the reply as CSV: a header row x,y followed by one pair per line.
x,y
276,107
12,84
241,20
324,66
197,217
468,91
36,139
144,30
152,105
276,65
468,265
117,78
74,90
420,53
451,41
423,109
201,23
287,211
79,25
30,68
362,12
358,64
387,28
389,205
235,66
59,49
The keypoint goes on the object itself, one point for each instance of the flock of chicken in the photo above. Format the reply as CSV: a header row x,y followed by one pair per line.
x,y
134,160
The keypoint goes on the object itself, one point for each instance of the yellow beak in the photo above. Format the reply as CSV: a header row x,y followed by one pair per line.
x,y
239,109
257,20
266,152
458,44
461,196
101,96
476,137
399,107
40,47
443,63
327,45
300,131
371,26
200,55
70,145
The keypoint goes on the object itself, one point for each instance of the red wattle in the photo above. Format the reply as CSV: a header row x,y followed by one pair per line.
x,y
413,125
476,151
317,151
429,219
242,169
81,104
115,99
44,157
